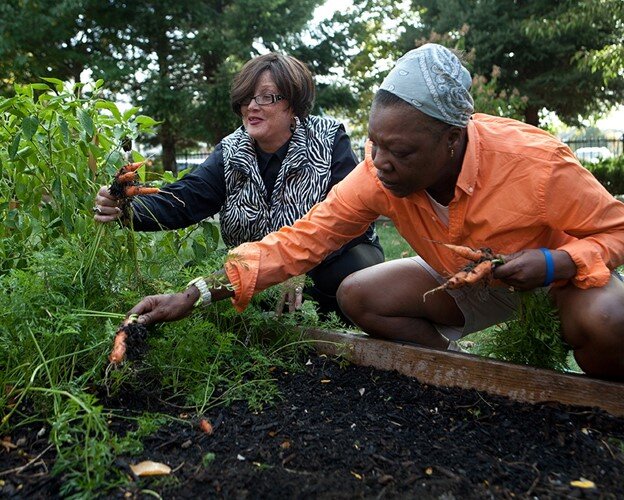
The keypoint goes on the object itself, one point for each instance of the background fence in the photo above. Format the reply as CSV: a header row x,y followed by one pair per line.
x,y
615,146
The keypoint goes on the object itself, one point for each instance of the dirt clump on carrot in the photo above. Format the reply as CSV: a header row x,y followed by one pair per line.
x,y
478,271
130,341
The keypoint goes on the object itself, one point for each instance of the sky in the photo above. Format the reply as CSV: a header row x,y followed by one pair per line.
x,y
613,121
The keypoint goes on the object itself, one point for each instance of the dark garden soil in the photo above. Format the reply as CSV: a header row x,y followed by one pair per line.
x,y
354,432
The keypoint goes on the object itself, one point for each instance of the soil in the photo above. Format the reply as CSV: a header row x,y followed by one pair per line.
x,y
356,432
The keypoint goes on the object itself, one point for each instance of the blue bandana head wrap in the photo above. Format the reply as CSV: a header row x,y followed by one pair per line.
x,y
432,79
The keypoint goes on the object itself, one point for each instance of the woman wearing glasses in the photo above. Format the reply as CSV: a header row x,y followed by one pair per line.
x,y
266,174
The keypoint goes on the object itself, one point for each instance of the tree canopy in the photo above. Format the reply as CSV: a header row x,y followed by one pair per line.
x,y
550,52
175,60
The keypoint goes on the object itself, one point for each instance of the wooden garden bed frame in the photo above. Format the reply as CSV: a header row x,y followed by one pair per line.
x,y
453,369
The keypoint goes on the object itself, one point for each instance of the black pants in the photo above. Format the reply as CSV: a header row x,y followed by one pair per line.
x,y
328,275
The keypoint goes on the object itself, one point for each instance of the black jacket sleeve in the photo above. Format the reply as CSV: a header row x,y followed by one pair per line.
x,y
198,195
343,158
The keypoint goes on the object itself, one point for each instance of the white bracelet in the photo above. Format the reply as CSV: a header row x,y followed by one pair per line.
x,y
205,296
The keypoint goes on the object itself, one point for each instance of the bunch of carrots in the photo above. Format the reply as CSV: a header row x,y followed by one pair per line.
x,y
480,269
126,184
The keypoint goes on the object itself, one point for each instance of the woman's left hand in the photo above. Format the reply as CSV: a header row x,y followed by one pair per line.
x,y
291,295
526,270
169,307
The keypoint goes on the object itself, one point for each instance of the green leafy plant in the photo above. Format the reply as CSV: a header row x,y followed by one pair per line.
x,y
66,283
533,338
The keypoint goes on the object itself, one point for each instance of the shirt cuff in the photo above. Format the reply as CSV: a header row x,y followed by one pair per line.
x,y
242,267
591,270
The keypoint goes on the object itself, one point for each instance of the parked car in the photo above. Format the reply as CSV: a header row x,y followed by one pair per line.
x,y
593,154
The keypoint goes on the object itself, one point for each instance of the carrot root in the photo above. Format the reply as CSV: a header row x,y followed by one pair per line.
x,y
131,167
118,354
475,255
140,190
481,272
126,177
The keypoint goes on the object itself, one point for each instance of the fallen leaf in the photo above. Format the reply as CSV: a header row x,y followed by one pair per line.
x,y
285,445
362,391
583,483
325,381
429,471
7,444
356,475
149,468
240,457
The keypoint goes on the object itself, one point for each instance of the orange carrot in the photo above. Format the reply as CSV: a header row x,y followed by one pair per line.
x,y
126,177
456,281
140,190
131,167
467,252
480,272
118,353
206,426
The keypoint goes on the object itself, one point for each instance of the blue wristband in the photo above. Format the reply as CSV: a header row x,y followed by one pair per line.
x,y
550,267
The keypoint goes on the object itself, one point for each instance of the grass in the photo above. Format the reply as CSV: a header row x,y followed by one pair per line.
x,y
395,247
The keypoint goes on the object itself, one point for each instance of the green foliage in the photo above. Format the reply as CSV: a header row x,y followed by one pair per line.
x,y
55,143
606,15
66,283
220,356
488,98
533,338
175,60
370,30
610,173
538,47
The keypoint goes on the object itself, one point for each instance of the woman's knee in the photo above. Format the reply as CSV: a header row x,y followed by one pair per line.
x,y
597,324
351,295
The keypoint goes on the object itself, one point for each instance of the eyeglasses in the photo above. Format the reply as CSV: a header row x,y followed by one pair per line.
x,y
263,99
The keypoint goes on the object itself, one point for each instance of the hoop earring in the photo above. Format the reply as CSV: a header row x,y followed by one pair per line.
x,y
294,124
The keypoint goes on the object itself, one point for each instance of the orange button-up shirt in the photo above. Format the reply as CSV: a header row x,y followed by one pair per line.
x,y
519,188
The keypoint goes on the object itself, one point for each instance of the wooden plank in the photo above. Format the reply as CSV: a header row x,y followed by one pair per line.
x,y
453,369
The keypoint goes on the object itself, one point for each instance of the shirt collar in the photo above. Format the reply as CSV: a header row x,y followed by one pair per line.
x,y
280,153
467,179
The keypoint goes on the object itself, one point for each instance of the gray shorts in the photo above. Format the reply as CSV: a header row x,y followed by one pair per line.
x,y
481,307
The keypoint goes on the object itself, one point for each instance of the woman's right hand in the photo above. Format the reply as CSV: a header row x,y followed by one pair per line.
x,y
106,208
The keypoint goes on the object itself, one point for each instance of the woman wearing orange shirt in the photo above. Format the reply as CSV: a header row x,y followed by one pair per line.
x,y
444,174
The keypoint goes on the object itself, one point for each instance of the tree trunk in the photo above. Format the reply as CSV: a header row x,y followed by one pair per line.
x,y
531,116
167,141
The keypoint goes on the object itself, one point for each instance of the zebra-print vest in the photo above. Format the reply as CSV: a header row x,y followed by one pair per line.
x,y
302,181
